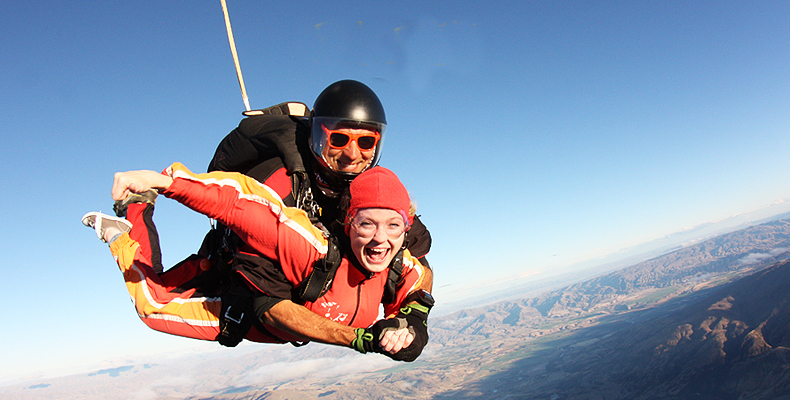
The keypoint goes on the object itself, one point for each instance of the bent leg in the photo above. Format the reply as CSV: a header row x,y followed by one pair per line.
x,y
138,256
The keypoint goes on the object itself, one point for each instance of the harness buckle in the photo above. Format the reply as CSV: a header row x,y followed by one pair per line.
x,y
231,318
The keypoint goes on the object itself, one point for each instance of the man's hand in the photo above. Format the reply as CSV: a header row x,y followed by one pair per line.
x,y
138,182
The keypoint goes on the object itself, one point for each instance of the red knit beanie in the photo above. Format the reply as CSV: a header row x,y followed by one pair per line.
x,y
379,187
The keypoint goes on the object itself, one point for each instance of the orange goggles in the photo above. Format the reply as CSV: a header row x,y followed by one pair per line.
x,y
339,140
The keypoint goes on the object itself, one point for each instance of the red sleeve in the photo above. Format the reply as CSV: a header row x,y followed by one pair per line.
x,y
280,182
253,212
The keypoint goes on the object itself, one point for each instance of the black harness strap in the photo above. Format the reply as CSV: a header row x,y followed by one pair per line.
x,y
395,278
320,280
237,315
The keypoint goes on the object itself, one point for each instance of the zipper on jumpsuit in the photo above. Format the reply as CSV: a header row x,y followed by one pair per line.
x,y
356,309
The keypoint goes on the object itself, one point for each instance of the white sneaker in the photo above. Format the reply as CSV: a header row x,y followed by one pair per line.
x,y
100,222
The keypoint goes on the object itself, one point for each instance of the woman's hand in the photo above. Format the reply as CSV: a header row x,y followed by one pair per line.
x,y
125,183
393,341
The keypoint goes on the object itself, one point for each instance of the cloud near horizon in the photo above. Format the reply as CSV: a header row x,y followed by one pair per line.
x,y
754,258
320,368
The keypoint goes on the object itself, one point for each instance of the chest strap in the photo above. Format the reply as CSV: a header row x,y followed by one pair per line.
x,y
320,280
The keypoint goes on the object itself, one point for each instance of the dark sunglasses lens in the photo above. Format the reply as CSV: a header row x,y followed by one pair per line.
x,y
366,142
338,139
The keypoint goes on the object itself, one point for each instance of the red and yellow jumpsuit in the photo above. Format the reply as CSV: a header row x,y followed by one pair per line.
x,y
257,215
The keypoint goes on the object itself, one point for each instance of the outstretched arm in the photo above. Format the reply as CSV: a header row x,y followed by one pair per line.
x,y
299,321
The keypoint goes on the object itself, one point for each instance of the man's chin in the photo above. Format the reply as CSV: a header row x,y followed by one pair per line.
x,y
351,169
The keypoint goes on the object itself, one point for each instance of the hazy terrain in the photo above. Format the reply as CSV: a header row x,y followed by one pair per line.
x,y
711,321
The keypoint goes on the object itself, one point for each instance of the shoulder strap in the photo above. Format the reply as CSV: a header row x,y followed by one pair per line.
x,y
320,280
394,279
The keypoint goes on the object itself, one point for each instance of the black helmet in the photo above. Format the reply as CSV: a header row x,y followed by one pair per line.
x,y
345,104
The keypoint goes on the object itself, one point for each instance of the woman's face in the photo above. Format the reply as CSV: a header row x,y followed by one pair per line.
x,y
376,236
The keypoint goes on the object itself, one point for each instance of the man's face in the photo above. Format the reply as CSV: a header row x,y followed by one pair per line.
x,y
350,158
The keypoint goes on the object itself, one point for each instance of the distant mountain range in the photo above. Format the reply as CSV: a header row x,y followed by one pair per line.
x,y
625,257
706,321
727,342
685,325
734,253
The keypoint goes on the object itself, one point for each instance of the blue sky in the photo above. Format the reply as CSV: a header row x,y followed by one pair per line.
x,y
532,135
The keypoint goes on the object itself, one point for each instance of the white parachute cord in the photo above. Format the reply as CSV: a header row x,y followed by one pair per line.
x,y
235,56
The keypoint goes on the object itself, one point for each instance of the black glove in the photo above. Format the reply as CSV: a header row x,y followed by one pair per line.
x,y
411,317
416,317
368,339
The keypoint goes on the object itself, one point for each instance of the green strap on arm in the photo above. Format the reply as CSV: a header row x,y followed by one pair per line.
x,y
419,307
363,336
